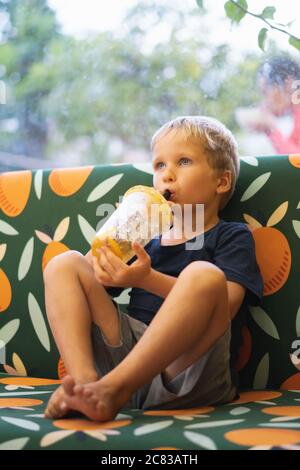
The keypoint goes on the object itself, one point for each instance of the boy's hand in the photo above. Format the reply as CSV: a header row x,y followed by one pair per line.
x,y
113,272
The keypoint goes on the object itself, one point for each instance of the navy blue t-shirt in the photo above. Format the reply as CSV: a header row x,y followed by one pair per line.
x,y
228,245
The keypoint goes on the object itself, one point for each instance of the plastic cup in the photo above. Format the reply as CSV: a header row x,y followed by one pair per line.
x,y
143,214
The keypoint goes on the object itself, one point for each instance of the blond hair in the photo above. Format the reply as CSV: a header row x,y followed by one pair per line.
x,y
218,142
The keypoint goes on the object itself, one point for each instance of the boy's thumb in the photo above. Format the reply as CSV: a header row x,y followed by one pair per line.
x,y
136,245
138,248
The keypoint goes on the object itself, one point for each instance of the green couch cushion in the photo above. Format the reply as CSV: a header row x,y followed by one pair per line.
x,y
43,213
264,418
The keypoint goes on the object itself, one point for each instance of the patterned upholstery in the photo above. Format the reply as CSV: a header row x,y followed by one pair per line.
x,y
43,213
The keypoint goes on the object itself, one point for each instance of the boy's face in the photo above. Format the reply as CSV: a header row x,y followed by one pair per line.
x,y
180,165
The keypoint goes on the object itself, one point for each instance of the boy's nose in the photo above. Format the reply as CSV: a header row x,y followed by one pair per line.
x,y
168,175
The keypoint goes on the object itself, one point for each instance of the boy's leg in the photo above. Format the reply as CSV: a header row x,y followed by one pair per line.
x,y
74,299
191,319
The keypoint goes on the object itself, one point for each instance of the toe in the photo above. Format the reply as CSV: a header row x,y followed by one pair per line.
x,y
78,389
99,406
94,400
48,412
55,411
68,384
69,403
87,393
63,407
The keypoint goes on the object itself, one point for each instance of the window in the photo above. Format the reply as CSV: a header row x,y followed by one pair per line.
x,y
83,81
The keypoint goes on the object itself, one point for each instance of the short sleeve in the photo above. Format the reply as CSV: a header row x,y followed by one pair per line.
x,y
235,256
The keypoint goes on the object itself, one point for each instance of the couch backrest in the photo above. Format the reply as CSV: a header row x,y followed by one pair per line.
x,y
44,212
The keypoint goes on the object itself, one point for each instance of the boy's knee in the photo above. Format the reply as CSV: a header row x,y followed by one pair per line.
x,y
61,261
204,272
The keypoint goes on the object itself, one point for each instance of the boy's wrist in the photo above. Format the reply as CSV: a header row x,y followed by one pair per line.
x,y
158,283
142,284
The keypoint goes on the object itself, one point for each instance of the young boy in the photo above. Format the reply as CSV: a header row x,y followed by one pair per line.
x,y
172,349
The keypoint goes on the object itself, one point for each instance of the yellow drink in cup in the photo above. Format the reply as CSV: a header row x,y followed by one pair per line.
x,y
143,214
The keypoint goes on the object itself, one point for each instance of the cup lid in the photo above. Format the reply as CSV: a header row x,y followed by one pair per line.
x,y
155,195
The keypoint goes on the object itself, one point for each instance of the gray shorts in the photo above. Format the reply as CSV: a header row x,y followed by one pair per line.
x,y
206,382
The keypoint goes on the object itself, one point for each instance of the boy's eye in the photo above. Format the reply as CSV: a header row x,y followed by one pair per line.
x,y
185,159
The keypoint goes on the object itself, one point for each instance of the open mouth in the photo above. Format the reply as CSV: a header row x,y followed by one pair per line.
x,y
168,194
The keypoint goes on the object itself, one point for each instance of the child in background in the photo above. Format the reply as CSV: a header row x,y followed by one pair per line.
x,y
277,118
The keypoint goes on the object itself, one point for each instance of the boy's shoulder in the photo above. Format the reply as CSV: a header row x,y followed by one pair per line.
x,y
231,227
238,232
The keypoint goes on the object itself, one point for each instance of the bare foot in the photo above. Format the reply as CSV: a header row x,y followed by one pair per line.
x,y
57,407
98,401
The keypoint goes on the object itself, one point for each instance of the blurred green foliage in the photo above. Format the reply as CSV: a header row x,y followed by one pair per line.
x,y
109,93
236,10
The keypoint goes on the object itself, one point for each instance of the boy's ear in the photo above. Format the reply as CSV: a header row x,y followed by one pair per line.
x,y
224,182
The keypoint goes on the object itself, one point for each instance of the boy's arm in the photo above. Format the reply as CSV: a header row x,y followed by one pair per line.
x,y
236,294
158,283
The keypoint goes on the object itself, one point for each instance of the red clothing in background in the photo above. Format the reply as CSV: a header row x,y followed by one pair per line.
x,y
287,144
